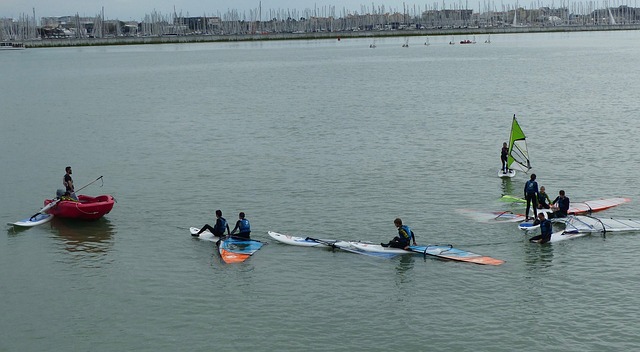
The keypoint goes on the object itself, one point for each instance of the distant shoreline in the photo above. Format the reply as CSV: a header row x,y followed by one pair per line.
x,y
72,42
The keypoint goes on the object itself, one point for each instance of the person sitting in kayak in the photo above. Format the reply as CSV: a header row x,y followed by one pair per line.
x,y
503,157
543,199
531,195
218,228
545,230
405,235
243,226
560,206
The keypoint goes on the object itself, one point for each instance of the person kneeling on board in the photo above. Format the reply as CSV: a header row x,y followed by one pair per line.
x,y
545,230
218,228
243,226
403,240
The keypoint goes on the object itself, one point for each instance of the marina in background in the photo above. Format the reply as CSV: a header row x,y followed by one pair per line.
x,y
319,23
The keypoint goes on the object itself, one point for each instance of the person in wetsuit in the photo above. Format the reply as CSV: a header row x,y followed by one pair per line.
x,y
503,157
531,195
543,199
545,231
218,228
243,226
560,206
405,235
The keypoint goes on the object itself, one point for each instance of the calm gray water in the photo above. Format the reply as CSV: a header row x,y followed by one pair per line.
x,y
324,138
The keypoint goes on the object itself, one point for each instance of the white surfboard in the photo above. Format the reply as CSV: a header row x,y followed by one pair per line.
x,y
205,235
300,241
509,174
35,220
566,235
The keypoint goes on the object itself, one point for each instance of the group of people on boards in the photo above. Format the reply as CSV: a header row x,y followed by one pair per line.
x,y
402,240
242,226
540,200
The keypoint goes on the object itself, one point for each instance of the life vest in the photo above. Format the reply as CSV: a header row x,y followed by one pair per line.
x,y
221,224
244,226
531,186
404,233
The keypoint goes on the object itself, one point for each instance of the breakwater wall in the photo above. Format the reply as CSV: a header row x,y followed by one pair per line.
x,y
172,39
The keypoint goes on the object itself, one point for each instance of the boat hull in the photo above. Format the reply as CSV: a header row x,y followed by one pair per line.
x,y
88,208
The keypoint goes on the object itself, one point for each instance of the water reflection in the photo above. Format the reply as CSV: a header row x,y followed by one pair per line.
x,y
84,237
405,263
507,186
538,256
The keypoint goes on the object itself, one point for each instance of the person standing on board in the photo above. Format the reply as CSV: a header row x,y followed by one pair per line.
x,y
545,231
405,235
543,199
67,181
560,206
503,157
243,226
531,195
218,228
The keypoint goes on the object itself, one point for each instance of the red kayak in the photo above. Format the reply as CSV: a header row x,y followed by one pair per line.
x,y
87,208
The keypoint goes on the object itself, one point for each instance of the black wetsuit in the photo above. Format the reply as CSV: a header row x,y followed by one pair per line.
x,y
217,229
531,195
545,232
503,157
563,207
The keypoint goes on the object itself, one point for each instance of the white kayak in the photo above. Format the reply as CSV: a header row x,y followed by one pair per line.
x,y
35,220
205,235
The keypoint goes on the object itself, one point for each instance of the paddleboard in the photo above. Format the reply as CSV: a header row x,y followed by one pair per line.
x,y
440,251
300,241
234,250
205,235
509,174
325,243
35,220
376,250
578,208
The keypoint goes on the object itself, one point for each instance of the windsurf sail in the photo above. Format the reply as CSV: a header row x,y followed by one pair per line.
x,y
518,158
590,224
235,250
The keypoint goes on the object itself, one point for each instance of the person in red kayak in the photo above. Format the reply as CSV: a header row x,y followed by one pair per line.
x,y
67,181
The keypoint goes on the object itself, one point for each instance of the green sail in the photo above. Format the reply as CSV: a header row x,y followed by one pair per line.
x,y
518,158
